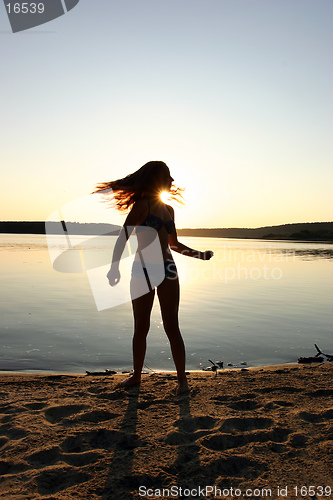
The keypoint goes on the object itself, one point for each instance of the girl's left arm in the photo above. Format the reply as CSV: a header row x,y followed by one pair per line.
x,y
179,247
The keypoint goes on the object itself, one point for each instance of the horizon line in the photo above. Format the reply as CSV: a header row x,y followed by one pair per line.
x,y
179,228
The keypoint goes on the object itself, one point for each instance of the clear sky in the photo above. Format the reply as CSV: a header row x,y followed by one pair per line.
x,y
234,95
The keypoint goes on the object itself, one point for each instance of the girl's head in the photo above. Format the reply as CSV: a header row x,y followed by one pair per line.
x,y
152,178
149,181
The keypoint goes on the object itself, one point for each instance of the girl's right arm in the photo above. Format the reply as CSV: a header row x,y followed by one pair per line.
x,y
135,217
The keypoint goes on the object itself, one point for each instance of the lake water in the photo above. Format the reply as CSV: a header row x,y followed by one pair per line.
x,y
259,302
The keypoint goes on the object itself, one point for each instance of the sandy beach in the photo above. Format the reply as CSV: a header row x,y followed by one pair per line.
x,y
261,432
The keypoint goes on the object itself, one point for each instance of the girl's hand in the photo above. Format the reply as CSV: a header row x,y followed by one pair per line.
x,y
207,255
113,276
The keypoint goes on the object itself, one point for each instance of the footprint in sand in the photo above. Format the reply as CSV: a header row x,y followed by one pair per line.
x,y
190,430
81,459
276,404
320,393
3,440
102,439
55,414
244,402
192,424
246,424
225,441
53,480
298,440
315,418
51,456
6,419
35,405
12,432
11,409
44,457
244,405
286,389
233,466
9,468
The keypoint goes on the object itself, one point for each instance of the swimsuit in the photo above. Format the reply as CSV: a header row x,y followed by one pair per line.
x,y
169,272
157,223
155,271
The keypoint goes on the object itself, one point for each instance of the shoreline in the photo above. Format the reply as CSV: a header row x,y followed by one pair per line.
x,y
67,436
247,238
303,232
152,371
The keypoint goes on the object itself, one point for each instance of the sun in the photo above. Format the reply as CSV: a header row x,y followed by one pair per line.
x,y
165,196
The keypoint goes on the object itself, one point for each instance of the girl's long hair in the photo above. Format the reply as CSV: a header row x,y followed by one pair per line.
x,y
140,184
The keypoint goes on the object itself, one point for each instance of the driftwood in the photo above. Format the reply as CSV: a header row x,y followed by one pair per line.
x,y
218,364
317,358
106,372
310,359
328,356
215,366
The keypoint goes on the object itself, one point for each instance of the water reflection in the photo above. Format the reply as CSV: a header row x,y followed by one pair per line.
x,y
256,301
314,253
308,250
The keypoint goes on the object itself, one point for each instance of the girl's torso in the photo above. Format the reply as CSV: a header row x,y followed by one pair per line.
x,y
160,219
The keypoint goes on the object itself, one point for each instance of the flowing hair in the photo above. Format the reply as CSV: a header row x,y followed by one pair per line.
x,y
140,184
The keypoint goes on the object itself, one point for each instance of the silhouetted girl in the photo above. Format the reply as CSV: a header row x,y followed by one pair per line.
x,y
140,194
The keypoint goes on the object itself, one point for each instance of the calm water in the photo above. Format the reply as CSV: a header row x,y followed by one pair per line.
x,y
256,301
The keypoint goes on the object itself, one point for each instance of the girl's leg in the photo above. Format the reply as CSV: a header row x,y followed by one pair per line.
x,y
168,295
142,307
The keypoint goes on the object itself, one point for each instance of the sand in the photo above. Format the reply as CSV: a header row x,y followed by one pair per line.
x,y
250,431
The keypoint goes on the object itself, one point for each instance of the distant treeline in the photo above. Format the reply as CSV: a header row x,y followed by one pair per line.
x,y
24,227
310,231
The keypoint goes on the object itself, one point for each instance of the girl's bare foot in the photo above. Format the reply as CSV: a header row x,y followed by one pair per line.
x,y
130,382
182,387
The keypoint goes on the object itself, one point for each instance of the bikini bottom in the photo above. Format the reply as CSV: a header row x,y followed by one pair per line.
x,y
155,275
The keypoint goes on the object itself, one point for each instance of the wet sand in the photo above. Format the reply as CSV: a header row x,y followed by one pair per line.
x,y
76,436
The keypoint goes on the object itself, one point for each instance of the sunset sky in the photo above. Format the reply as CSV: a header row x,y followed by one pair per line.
x,y
234,95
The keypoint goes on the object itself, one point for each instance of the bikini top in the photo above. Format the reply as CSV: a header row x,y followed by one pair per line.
x,y
157,223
